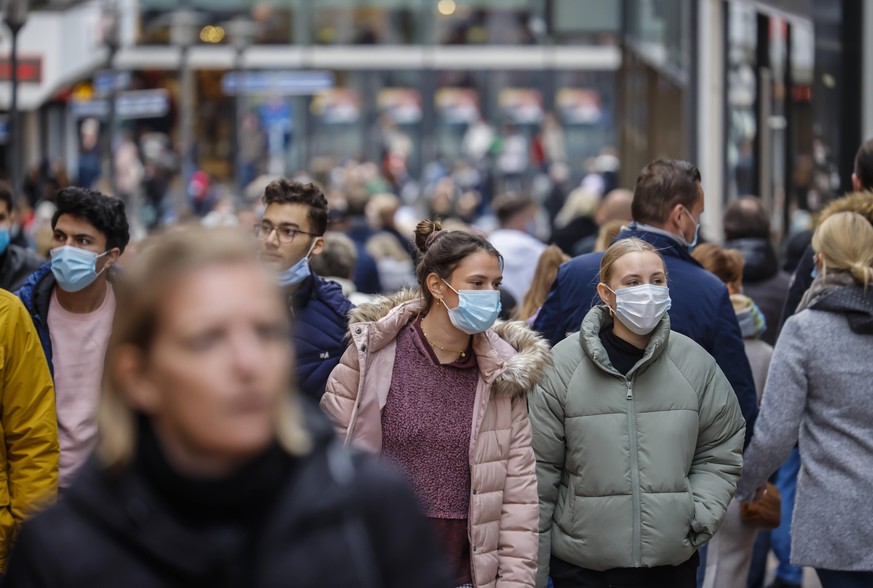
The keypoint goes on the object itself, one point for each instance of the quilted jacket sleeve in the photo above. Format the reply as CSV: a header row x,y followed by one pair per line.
x,y
341,392
28,418
718,458
517,564
547,419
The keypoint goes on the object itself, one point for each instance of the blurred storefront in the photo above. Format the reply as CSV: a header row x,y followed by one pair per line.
x,y
410,77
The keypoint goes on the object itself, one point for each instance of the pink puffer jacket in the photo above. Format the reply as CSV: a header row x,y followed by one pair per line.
x,y
503,503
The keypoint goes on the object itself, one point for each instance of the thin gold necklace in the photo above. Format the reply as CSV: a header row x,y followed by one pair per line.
x,y
460,354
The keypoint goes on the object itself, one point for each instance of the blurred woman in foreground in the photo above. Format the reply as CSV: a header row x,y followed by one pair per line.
x,y
206,473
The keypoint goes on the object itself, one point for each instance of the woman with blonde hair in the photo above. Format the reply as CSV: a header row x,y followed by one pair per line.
x,y
818,393
435,385
547,268
206,472
638,437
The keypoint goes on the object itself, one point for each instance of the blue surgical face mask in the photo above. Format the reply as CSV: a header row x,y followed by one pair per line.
x,y
75,268
5,237
477,310
297,272
693,243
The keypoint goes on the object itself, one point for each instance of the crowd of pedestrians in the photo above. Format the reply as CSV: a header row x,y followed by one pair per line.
x,y
338,390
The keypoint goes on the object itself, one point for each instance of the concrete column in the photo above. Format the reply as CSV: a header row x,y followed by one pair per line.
x,y
710,155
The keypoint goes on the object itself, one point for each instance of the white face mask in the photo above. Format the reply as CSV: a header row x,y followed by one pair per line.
x,y
641,308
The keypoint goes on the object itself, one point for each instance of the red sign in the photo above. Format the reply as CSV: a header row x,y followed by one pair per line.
x,y
29,69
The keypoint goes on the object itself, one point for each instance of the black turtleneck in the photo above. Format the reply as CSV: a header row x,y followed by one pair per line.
x,y
242,498
622,354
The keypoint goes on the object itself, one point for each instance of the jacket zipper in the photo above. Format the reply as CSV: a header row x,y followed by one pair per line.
x,y
635,475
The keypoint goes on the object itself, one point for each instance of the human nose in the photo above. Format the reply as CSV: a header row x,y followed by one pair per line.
x,y
273,237
246,350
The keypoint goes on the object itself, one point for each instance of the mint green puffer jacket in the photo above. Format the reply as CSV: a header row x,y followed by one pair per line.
x,y
632,471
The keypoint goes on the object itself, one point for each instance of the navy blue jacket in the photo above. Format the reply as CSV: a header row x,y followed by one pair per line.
x,y
36,294
319,326
701,310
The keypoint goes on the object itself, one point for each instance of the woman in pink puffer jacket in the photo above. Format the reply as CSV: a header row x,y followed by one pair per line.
x,y
432,384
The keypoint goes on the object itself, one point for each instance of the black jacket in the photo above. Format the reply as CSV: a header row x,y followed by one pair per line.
x,y
763,281
338,521
16,264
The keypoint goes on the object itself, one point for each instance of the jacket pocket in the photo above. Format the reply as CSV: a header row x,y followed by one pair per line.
x,y
564,515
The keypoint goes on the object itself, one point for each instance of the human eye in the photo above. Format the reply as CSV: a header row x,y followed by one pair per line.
x,y
58,236
632,282
271,332
83,241
205,340
287,233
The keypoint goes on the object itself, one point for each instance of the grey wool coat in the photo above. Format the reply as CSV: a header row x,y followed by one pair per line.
x,y
632,471
820,391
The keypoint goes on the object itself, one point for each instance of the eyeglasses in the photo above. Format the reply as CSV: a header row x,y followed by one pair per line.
x,y
284,234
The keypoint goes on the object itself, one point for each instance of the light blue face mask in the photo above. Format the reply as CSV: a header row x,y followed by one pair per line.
x,y
74,268
477,310
5,237
297,272
693,243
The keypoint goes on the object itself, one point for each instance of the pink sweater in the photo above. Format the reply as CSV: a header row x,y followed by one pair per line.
x,y
426,424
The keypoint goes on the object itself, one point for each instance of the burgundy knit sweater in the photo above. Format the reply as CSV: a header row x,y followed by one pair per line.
x,y
426,426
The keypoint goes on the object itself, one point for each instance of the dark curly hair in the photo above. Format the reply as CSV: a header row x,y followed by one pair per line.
x,y
284,191
105,213
440,252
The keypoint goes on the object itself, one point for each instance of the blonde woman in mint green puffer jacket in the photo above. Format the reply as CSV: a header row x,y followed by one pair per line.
x,y
635,467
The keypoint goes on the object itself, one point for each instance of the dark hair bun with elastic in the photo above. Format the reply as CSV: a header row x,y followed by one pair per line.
x,y
423,231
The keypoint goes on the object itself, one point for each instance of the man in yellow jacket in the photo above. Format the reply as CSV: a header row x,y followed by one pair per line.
x,y
28,426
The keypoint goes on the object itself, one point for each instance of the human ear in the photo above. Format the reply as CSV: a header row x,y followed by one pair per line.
x,y
317,246
435,285
856,184
111,257
604,293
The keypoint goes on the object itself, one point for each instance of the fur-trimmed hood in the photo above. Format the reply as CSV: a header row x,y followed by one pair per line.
x,y
510,352
860,202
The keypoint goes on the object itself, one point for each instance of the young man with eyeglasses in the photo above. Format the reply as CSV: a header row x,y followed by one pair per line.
x,y
290,234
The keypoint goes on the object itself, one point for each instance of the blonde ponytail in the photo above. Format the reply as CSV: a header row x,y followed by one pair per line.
x,y
862,273
844,241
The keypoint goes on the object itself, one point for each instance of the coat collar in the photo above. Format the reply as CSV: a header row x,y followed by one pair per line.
x,y
666,243
510,356
599,318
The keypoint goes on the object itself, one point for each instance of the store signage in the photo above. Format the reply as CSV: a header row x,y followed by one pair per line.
x,y
278,83
137,104
29,70
108,81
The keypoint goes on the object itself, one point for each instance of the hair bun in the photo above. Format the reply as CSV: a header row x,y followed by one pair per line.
x,y
433,237
426,232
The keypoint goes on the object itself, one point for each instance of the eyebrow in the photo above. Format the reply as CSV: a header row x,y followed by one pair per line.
x,y
76,235
481,277
281,224
657,273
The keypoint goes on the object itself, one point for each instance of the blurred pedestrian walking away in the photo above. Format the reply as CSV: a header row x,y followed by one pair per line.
x,y
818,393
434,385
638,438
209,470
